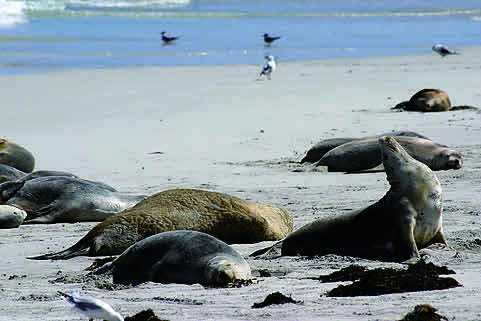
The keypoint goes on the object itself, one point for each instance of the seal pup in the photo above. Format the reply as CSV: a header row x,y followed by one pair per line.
x,y
186,257
407,218
16,156
229,218
168,40
316,152
365,154
268,40
269,67
63,199
11,216
443,50
426,100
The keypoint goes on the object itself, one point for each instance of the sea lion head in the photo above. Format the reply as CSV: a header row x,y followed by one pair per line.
x,y
222,270
394,159
9,189
449,159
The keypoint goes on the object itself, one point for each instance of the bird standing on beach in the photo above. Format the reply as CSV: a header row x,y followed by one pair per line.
x,y
268,39
92,307
166,39
269,67
443,50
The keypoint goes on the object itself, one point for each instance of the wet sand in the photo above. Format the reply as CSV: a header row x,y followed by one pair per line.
x,y
143,130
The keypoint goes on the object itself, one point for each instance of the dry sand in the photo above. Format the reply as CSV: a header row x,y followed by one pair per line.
x,y
218,128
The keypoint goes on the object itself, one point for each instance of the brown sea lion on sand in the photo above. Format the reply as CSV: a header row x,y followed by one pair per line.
x,y
365,154
430,100
185,257
229,218
16,156
407,218
316,152
59,199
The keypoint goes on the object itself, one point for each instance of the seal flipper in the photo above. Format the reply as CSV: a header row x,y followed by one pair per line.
x,y
405,244
44,214
270,252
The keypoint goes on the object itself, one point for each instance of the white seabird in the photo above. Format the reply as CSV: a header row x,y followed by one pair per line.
x,y
443,50
92,307
269,67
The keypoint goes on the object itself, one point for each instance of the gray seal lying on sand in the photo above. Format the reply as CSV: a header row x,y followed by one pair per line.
x,y
185,257
229,218
11,216
16,156
407,218
57,199
365,154
316,152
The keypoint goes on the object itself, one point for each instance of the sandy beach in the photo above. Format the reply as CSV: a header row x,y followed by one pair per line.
x,y
144,130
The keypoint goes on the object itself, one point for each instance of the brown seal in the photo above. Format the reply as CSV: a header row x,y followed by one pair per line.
x,y
229,218
426,100
365,154
407,218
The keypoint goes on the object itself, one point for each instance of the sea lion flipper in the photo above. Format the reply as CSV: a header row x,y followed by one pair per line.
x,y
406,247
43,214
438,238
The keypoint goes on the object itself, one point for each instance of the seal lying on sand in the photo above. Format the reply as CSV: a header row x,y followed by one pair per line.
x,y
229,218
186,257
430,100
316,152
11,216
16,156
365,154
57,199
407,218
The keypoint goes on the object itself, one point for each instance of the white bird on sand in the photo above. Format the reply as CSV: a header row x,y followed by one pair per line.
x,y
443,50
92,307
269,67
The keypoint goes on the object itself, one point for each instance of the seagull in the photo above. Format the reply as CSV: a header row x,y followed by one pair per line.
x,y
166,39
92,307
268,39
443,50
269,67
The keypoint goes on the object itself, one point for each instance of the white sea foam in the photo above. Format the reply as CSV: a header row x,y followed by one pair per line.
x,y
11,12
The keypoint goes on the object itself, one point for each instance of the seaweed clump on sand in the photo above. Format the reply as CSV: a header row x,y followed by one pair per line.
x,y
275,298
421,276
424,312
145,315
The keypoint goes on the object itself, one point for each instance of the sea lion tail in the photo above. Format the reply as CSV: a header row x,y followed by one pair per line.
x,y
78,249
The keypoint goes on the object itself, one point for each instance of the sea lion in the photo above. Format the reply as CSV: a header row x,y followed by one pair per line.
x,y
9,173
186,257
11,216
407,218
229,218
365,154
45,173
58,199
16,156
316,152
426,100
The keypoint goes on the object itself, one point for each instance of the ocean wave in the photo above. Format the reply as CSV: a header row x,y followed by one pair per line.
x,y
11,12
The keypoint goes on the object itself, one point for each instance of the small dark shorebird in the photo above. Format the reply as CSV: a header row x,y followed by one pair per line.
x,y
166,39
443,50
268,39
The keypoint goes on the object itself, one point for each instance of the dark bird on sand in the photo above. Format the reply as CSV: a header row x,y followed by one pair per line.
x,y
166,39
268,39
